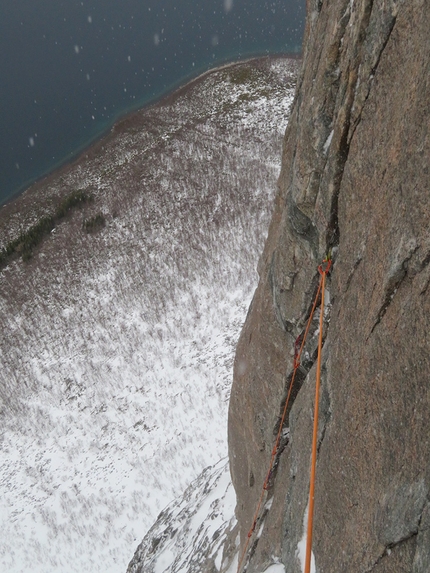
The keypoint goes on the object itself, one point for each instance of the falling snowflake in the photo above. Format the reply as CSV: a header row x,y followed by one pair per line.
x,y
228,5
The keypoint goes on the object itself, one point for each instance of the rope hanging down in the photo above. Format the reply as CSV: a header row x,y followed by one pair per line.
x,y
323,273
296,364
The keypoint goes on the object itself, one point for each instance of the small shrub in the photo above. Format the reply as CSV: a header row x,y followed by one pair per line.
x,y
94,224
241,75
244,97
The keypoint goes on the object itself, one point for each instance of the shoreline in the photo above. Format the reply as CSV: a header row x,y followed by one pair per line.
x,y
124,118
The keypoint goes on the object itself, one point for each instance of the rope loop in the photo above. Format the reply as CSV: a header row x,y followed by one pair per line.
x,y
327,262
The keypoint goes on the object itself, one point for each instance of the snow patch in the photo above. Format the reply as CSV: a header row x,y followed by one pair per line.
x,y
328,142
301,546
275,568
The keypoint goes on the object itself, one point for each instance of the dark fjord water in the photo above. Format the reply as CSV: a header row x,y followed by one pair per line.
x,y
69,68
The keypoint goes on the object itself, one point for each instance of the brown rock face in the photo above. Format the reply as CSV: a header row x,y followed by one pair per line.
x,y
355,178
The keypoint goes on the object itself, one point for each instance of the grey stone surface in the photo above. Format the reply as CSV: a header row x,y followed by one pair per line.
x,y
355,176
422,554
399,513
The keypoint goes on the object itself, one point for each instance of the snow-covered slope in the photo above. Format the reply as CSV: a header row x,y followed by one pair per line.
x,y
197,532
193,529
117,346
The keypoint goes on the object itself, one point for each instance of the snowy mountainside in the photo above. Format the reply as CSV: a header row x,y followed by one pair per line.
x,y
117,345
197,532
192,529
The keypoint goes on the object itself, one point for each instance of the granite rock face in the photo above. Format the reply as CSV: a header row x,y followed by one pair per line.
x,y
355,179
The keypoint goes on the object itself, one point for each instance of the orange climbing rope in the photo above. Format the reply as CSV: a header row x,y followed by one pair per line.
x,y
323,273
296,364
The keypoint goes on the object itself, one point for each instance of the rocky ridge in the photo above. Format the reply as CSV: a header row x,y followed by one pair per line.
x,y
354,179
191,533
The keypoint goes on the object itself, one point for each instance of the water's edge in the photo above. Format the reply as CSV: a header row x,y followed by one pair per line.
x,y
170,93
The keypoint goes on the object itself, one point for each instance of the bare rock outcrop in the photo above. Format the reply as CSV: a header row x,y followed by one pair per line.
x,y
355,179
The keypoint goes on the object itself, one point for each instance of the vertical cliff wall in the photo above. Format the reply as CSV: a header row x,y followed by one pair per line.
x,y
355,178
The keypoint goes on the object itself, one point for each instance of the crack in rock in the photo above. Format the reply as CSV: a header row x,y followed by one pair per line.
x,y
395,276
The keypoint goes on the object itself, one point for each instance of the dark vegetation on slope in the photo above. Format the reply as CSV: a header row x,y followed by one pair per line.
x,y
28,240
